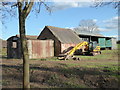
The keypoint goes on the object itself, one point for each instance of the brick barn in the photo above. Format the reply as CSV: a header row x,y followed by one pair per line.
x,y
63,38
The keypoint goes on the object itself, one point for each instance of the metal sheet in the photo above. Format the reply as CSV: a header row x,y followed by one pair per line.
x,y
40,48
102,42
108,43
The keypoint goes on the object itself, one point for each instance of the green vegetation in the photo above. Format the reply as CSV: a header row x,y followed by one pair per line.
x,y
55,80
98,62
104,55
90,71
118,46
3,52
113,54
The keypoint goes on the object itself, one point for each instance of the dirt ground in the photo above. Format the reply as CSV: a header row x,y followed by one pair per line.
x,y
87,73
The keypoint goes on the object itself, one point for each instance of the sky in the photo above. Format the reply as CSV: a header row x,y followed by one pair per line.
x,y
65,15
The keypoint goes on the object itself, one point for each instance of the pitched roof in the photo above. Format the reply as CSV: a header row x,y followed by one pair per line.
x,y
88,33
64,35
91,34
29,36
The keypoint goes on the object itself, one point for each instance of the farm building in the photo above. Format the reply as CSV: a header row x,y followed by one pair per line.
x,y
36,48
104,42
63,38
14,46
53,41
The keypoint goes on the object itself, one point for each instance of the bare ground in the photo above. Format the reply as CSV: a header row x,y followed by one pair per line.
x,y
95,73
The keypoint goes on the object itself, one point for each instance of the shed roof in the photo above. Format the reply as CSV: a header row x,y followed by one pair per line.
x,y
88,33
29,36
92,34
64,35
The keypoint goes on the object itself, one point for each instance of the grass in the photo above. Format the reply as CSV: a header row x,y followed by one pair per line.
x,y
103,55
4,51
56,81
112,54
118,45
54,73
111,66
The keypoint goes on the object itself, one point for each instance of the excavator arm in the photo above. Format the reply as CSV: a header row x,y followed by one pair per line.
x,y
83,45
78,46
85,48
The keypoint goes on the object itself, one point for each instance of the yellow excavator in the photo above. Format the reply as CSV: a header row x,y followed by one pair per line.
x,y
91,48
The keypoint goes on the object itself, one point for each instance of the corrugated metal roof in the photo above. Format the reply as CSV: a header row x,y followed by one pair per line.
x,y
91,34
88,33
64,35
29,36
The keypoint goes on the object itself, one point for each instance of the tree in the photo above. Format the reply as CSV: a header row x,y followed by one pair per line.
x,y
88,26
101,3
24,9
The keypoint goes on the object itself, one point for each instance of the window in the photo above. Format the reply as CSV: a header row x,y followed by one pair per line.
x,y
85,39
14,44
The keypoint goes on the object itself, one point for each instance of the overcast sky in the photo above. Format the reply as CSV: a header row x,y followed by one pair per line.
x,y
66,15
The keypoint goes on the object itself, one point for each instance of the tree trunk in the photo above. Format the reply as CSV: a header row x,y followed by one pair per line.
x,y
24,48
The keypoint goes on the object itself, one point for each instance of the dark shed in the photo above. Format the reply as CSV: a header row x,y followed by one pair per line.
x,y
63,38
14,46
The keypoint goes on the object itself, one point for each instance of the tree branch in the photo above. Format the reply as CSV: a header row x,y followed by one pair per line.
x,y
46,6
28,8
101,3
39,7
26,3
20,6
14,5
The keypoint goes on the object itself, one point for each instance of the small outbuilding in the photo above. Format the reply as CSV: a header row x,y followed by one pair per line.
x,y
14,46
36,48
63,38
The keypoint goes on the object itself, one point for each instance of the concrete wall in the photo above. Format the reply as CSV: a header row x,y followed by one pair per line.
x,y
40,48
46,34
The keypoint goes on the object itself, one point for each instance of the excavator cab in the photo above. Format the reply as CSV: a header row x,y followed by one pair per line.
x,y
92,45
94,48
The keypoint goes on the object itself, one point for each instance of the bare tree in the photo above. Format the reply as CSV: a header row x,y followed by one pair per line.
x,y
101,3
24,8
88,26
